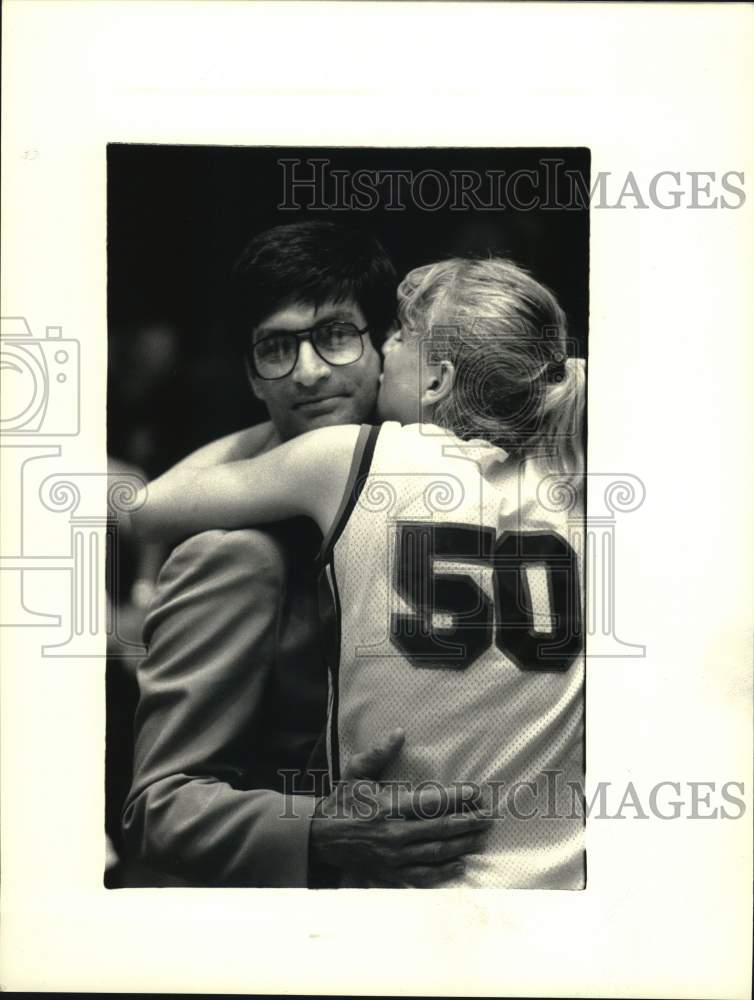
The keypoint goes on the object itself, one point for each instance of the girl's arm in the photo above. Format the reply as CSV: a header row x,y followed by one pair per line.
x,y
246,443
306,475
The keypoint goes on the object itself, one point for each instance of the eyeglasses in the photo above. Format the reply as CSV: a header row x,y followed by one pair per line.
x,y
276,354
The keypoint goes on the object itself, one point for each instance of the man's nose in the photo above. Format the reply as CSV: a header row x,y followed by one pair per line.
x,y
310,368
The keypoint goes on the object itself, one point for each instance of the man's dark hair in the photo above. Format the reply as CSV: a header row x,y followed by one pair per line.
x,y
312,263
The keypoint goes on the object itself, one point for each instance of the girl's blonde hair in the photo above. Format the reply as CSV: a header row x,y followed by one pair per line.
x,y
506,336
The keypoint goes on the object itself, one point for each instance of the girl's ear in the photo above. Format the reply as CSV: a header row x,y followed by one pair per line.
x,y
441,384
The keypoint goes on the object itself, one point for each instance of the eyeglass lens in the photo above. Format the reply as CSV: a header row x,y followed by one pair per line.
x,y
276,354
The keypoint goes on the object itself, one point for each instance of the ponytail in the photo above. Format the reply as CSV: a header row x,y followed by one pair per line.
x,y
562,423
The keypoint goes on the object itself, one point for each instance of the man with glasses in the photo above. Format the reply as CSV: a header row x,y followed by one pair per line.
x,y
233,690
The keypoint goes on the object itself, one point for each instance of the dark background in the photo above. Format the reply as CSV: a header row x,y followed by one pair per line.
x,y
178,216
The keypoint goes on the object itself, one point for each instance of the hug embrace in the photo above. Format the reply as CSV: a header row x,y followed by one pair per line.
x,y
384,582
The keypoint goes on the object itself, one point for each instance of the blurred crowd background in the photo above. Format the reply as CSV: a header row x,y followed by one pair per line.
x,y
178,217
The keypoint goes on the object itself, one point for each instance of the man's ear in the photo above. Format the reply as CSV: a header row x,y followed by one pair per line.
x,y
252,381
440,385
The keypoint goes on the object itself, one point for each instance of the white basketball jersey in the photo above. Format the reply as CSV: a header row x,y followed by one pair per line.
x,y
457,576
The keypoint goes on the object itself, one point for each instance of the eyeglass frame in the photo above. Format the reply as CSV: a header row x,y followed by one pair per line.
x,y
305,335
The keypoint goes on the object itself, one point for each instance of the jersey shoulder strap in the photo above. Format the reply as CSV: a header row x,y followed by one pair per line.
x,y
361,463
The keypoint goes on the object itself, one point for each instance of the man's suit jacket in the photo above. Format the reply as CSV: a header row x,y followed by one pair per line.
x,y
232,691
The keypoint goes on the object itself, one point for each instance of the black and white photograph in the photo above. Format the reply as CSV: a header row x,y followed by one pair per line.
x,y
376,423
355,380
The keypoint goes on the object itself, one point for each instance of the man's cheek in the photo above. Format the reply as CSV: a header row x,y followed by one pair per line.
x,y
371,377
367,396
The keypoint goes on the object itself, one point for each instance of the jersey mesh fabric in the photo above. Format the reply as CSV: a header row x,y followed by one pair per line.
x,y
479,718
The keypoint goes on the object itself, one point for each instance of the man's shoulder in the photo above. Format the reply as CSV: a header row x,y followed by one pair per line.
x,y
219,573
244,550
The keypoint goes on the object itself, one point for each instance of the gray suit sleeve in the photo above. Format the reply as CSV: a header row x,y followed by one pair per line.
x,y
211,638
